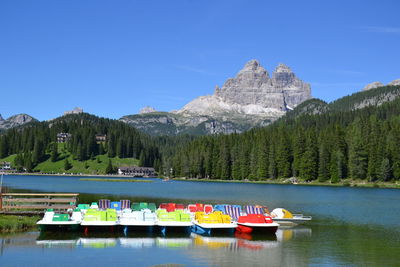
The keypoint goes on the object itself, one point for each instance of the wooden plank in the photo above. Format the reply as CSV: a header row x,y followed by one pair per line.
x,y
41,194
40,207
22,212
45,200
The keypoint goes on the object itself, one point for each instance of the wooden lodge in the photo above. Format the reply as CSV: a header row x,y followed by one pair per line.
x,y
101,137
5,166
63,137
137,171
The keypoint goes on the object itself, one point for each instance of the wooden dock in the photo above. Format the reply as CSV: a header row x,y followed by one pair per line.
x,y
36,203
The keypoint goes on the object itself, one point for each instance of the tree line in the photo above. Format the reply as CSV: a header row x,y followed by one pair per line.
x,y
37,142
335,145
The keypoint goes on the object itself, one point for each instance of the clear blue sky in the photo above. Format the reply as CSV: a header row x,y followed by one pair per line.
x,y
113,57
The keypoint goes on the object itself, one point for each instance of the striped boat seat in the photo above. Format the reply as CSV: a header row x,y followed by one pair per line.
x,y
125,204
250,209
233,211
104,203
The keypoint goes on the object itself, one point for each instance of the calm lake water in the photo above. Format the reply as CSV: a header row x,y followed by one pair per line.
x,y
350,227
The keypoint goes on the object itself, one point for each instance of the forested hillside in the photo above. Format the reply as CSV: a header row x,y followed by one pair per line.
x,y
356,137
341,142
36,143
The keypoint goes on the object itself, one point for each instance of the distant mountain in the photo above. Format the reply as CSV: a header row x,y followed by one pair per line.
x,y
251,99
15,121
374,85
371,97
355,138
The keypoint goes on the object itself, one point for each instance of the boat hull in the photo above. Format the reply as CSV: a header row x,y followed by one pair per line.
x,y
176,227
291,221
210,228
59,227
137,227
268,228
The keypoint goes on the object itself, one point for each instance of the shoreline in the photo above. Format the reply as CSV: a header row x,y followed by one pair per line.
x,y
286,181
75,175
17,223
344,183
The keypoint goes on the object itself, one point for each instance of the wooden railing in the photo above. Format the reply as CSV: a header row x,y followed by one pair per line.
x,y
37,201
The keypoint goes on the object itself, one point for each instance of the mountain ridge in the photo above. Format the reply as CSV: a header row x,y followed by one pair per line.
x,y
15,121
251,99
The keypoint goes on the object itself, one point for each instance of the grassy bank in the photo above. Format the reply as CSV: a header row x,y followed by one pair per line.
x,y
116,180
12,223
344,183
95,166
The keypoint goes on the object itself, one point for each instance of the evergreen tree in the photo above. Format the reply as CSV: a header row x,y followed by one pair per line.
x,y
54,152
385,170
236,168
374,150
110,169
283,155
38,152
324,161
3,147
262,162
272,163
309,163
299,145
19,161
357,155
67,165
337,166
142,159
28,164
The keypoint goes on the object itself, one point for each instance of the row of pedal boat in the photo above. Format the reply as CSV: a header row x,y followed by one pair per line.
x,y
198,218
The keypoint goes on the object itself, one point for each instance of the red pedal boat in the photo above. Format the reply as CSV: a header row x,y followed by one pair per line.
x,y
256,223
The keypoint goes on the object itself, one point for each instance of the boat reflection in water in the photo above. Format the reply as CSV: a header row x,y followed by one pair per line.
x,y
145,240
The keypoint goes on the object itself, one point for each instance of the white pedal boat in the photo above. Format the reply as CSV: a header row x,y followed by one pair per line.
x,y
286,218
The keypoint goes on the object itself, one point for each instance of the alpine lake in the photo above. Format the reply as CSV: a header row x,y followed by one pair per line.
x,y
351,227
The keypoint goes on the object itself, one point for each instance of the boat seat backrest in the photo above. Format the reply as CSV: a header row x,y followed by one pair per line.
x,y
192,208
48,216
208,208
76,216
152,207
179,206
250,209
232,211
199,207
104,204
125,204
135,206
220,207
163,206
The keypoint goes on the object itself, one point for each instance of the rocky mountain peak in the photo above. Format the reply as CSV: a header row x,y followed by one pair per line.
x,y
76,110
372,86
15,121
252,91
20,119
282,68
252,68
251,65
395,82
147,109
